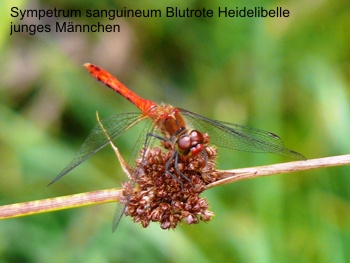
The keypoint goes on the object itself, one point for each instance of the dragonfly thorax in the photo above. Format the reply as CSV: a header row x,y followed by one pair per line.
x,y
168,120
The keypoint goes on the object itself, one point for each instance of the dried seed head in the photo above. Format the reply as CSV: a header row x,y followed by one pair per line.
x,y
167,194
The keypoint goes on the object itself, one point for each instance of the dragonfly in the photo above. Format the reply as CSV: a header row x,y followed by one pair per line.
x,y
181,128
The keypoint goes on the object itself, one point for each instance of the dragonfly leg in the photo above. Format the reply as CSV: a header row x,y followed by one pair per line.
x,y
175,156
171,174
177,168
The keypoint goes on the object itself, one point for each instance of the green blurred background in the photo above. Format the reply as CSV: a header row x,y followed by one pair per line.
x,y
289,76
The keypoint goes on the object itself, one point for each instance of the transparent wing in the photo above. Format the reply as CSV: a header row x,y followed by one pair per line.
x,y
144,141
239,137
118,214
114,126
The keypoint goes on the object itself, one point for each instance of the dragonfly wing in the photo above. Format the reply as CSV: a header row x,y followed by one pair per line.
x,y
144,141
239,137
114,126
119,212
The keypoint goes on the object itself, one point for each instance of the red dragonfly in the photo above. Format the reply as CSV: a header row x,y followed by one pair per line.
x,y
171,124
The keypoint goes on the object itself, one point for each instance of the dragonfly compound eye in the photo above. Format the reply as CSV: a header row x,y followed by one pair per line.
x,y
196,137
184,144
191,144
197,142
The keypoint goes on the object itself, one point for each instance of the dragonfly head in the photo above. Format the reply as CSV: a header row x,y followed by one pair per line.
x,y
190,144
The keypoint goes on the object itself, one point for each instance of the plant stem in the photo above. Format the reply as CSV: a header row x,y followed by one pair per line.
x,y
114,194
60,203
230,176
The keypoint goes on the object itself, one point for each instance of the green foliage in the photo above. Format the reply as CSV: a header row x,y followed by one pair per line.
x,y
287,75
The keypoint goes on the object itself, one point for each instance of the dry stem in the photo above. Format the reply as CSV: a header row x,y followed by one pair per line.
x,y
114,194
230,176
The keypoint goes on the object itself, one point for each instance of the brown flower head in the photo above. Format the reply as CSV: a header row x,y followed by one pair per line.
x,y
166,192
